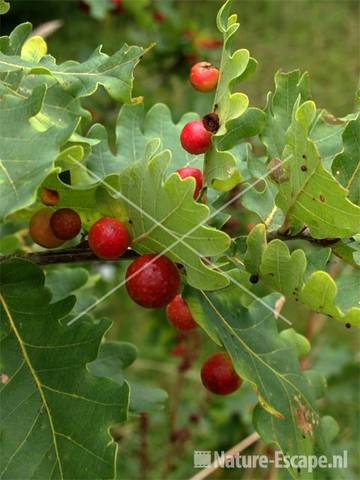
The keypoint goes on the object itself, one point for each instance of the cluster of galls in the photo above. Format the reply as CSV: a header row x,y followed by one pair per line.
x,y
217,373
196,135
152,280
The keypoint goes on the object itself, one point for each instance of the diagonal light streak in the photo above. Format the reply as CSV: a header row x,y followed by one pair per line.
x,y
178,239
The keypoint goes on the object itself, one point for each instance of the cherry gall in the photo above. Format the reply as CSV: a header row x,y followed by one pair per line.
x,y
152,281
195,138
196,174
218,374
108,238
117,6
65,223
204,76
40,230
179,315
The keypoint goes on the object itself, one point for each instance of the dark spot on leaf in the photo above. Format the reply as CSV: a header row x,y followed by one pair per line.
x,y
298,469
303,168
271,274
254,278
296,299
322,198
130,221
330,316
304,436
304,156
348,325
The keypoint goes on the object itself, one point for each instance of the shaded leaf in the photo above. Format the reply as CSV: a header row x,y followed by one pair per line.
x,y
286,414
311,195
326,132
289,87
346,165
134,130
61,431
26,155
113,359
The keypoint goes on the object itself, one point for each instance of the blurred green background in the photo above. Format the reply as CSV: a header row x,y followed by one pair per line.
x,y
322,37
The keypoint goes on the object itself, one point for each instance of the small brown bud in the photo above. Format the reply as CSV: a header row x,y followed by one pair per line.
x,y
211,122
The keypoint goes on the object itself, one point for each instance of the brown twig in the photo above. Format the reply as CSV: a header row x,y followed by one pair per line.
x,y
81,253
304,235
189,342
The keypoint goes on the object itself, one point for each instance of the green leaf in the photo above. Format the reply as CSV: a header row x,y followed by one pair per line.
x,y
256,245
299,342
285,273
348,250
64,281
269,362
320,292
289,87
9,244
144,398
326,132
62,429
108,205
346,165
311,195
26,155
99,8
41,108
59,107
260,199
169,201
220,169
229,106
113,359
282,271
249,124
317,258
114,73
11,44
348,289
4,7
34,49
134,130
